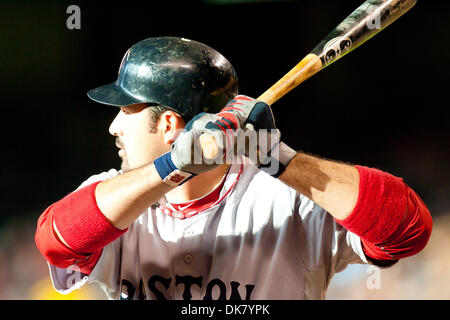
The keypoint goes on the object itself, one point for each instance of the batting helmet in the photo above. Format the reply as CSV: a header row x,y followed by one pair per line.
x,y
184,75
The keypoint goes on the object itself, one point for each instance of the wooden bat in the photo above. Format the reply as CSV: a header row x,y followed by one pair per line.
x,y
362,24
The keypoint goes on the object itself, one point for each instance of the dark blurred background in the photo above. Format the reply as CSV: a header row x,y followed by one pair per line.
x,y
384,105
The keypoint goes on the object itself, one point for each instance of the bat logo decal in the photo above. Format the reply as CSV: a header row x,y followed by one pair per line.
x,y
335,48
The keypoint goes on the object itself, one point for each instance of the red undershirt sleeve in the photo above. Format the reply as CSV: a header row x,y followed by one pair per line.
x,y
82,226
389,217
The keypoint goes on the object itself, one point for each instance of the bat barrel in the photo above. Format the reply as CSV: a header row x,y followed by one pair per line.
x,y
362,24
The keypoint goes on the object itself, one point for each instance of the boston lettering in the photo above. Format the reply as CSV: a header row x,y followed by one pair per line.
x,y
156,285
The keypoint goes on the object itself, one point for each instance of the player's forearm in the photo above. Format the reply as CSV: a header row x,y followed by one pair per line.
x,y
332,185
389,217
123,198
88,219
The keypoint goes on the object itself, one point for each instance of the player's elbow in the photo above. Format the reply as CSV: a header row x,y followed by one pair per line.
x,y
417,233
418,239
52,255
47,243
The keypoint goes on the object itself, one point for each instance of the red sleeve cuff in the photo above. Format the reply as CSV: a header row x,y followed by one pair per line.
x,y
55,252
389,217
81,223
380,207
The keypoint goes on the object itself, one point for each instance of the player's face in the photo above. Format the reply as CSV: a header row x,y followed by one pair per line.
x,y
138,144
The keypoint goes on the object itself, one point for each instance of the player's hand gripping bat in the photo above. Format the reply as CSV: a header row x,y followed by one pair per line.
x,y
366,21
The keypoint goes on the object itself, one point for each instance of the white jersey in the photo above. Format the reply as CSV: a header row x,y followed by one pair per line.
x,y
263,240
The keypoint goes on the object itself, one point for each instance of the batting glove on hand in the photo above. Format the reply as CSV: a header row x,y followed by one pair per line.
x,y
186,159
263,145
246,112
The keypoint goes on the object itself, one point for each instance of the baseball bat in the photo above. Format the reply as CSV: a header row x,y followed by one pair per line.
x,y
361,25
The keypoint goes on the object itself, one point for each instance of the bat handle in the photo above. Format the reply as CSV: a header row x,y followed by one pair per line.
x,y
306,68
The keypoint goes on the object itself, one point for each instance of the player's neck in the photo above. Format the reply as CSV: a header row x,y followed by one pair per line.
x,y
198,186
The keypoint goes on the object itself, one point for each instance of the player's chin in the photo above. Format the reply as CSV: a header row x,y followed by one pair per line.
x,y
124,166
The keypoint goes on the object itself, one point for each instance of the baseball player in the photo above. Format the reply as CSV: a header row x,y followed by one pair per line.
x,y
172,225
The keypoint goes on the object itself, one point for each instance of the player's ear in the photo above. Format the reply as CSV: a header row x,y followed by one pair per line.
x,y
171,124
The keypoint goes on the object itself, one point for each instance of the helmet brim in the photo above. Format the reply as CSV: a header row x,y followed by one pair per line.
x,y
113,95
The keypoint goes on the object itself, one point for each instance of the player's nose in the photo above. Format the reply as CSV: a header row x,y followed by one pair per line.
x,y
114,127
